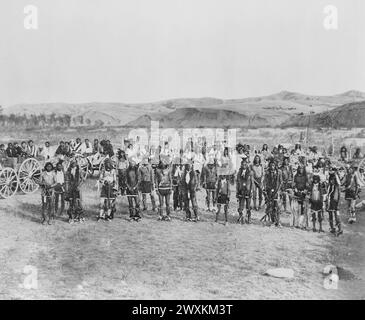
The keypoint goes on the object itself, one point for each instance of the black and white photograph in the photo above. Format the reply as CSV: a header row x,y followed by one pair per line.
x,y
182,150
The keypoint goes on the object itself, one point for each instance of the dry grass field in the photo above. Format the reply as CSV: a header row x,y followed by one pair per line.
x,y
169,260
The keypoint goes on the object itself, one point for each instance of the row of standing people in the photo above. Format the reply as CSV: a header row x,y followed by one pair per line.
x,y
59,186
180,181
253,183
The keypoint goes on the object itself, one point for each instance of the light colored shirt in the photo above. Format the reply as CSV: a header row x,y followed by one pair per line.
x,y
86,148
187,177
60,177
48,178
225,166
178,172
123,164
47,153
108,176
198,162
32,150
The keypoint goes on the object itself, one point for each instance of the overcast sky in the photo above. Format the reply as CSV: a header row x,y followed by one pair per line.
x,y
148,50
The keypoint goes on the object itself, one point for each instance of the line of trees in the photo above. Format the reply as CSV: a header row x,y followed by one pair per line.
x,y
39,121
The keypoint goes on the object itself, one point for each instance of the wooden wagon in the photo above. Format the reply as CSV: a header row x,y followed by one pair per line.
x,y
21,174
24,174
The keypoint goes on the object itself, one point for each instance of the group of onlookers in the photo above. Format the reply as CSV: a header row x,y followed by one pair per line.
x,y
28,149
15,150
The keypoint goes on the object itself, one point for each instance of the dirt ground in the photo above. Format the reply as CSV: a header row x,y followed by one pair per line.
x,y
170,260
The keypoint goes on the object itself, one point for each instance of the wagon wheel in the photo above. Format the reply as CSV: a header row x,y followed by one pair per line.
x,y
29,175
9,183
114,162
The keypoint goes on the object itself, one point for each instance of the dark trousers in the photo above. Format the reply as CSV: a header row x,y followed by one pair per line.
x,y
177,197
109,207
272,210
244,203
190,196
144,201
225,206
122,178
74,210
47,207
59,199
198,176
302,207
257,193
133,203
211,197
164,199
334,216
317,215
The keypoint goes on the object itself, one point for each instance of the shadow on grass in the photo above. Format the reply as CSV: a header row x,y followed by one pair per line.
x,y
28,211
33,213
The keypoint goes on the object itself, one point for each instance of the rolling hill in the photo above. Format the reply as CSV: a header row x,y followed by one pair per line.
x,y
273,110
202,117
111,114
349,115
